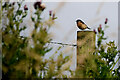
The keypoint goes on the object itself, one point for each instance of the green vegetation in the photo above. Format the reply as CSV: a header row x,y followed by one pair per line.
x,y
22,57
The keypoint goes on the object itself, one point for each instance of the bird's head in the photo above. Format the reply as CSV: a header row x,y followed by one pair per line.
x,y
80,21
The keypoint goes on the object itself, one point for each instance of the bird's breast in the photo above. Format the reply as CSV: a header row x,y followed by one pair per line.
x,y
82,26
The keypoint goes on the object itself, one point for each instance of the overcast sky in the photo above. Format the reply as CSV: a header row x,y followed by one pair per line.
x,y
92,13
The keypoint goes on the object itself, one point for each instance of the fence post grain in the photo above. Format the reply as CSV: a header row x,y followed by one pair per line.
x,y
85,44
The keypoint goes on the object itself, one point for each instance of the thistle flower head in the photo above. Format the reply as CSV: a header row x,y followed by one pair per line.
x,y
13,3
42,6
95,31
50,13
39,5
25,7
106,20
100,28
53,16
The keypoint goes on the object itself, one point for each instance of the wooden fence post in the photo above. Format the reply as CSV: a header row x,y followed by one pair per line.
x,y
85,44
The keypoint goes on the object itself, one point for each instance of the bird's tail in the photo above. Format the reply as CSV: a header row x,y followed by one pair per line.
x,y
88,28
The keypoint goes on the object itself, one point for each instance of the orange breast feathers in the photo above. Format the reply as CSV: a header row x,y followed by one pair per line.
x,y
81,26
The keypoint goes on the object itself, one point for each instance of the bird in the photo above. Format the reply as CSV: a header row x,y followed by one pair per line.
x,y
81,25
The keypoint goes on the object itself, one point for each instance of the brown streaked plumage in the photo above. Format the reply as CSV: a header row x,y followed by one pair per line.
x,y
81,25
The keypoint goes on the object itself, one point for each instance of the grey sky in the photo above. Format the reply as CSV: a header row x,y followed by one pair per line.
x,y
92,13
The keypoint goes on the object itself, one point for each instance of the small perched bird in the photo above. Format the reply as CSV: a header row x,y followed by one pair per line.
x,y
81,25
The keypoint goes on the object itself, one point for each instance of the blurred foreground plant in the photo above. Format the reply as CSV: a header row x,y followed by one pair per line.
x,y
22,57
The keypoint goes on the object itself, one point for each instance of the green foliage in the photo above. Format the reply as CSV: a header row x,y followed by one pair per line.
x,y
100,37
108,61
13,45
22,57
107,54
101,63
